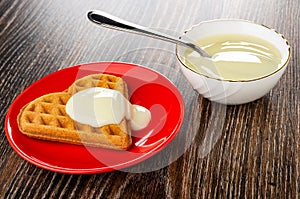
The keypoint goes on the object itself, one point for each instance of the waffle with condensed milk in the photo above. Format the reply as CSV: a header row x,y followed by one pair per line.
x,y
46,118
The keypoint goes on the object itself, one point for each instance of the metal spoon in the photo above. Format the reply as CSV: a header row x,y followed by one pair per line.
x,y
109,21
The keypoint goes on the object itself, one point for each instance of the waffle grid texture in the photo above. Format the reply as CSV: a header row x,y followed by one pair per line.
x,y
46,118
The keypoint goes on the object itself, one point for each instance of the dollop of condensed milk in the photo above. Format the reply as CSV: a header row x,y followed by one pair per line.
x,y
101,106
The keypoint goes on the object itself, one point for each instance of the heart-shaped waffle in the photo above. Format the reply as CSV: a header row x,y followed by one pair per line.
x,y
46,118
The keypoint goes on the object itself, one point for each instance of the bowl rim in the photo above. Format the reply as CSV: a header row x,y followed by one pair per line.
x,y
283,66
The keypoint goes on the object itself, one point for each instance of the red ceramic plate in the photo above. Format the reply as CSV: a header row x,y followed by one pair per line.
x,y
146,87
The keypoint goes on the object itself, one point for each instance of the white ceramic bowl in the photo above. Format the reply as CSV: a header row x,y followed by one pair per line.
x,y
234,91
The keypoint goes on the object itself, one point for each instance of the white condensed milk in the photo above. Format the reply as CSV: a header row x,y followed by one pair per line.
x,y
235,57
100,106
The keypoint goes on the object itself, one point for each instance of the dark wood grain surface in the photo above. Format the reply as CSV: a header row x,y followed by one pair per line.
x,y
245,151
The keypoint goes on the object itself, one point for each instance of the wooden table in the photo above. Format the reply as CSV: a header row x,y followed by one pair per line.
x,y
245,151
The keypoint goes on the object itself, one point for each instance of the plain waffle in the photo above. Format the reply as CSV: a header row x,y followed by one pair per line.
x,y
46,117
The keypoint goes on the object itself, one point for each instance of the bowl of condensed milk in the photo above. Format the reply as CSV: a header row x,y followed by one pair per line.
x,y
247,60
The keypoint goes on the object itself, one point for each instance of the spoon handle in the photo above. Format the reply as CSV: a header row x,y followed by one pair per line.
x,y
109,21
